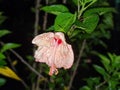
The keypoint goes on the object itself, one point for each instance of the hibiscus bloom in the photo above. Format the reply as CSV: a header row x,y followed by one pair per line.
x,y
54,51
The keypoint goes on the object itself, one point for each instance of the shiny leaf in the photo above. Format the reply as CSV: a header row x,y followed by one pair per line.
x,y
101,71
105,61
3,62
64,21
99,11
55,9
85,88
116,63
91,22
9,46
4,32
2,56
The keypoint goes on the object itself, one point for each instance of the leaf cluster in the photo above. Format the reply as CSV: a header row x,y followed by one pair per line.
x,y
110,74
4,69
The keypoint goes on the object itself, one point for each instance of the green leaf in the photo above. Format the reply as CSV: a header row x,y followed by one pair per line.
x,y
2,18
101,71
85,88
60,80
111,56
116,62
3,63
99,11
79,25
112,84
92,82
64,21
108,21
88,24
51,28
2,81
75,33
88,1
55,9
83,2
102,43
9,46
4,32
2,56
30,58
91,22
52,85
105,61
75,2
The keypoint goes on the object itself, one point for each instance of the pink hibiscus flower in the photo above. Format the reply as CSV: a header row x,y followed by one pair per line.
x,y
54,51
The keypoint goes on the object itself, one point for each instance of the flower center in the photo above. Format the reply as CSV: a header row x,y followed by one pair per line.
x,y
59,41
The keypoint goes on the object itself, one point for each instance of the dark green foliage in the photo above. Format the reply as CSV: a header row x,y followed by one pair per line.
x,y
9,46
64,21
4,32
2,81
55,9
2,18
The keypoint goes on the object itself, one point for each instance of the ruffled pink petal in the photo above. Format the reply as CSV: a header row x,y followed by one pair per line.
x,y
54,51
64,56
44,39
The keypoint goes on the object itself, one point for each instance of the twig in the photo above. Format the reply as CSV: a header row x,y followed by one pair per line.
x,y
25,85
37,5
36,25
98,86
45,21
14,69
43,28
45,18
9,60
64,1
37,83
78,8
77,64
24,62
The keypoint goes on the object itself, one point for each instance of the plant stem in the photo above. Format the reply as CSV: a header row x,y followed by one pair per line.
x,y
37,5
78,7
64,1
80,11
36,26
37,83
9,60
98,86
24,62
45,18
90,4
77,63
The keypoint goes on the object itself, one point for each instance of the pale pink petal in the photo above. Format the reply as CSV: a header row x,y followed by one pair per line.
x,y
64,56
69,58
43,39
54,51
